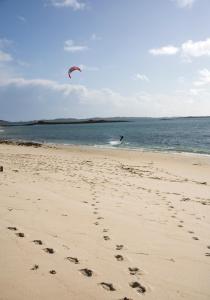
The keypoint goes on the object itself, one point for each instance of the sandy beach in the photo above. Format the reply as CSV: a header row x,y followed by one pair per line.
x,y
81,223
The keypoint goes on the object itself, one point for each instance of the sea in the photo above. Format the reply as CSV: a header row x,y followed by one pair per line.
x,y
191,135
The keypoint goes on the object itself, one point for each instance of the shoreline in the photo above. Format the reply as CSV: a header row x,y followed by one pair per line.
x,y
32,143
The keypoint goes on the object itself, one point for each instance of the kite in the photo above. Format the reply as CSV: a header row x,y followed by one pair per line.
x,y
72,69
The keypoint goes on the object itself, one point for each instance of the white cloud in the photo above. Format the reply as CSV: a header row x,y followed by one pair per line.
x,y
204,78
196,49
184,3
5,57
70,46
166,50
141,77
21,98
41,98
196,92
88,68
75,4
187,50
19,82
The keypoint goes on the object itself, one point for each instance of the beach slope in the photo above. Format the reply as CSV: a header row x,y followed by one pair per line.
x,y
81,223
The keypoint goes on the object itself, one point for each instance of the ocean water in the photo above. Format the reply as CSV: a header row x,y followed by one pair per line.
x,y
176,134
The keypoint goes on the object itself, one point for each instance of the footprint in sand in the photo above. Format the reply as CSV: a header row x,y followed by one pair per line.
x,y
119,247
96,223
38,242
12,228
125,298
208,247
49,250
136,285
105,230
195,238
66,247
119,257
207,254
87,272
133,271
35,267
73,260
108,286
20,234
53,272
191,231
106,237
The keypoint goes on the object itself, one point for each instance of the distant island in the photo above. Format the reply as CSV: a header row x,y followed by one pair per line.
x,y
187,117
64,121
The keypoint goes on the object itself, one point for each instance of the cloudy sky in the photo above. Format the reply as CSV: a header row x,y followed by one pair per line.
x,y
138,58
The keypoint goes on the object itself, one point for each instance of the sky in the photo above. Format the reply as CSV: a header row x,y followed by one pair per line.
x,y
141,58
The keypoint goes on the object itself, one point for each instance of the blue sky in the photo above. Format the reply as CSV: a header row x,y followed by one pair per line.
x,y
138,58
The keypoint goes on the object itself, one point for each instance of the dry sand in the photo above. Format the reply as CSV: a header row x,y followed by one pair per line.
x,y
90,224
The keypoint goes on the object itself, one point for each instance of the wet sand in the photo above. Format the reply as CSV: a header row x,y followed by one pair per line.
x,y
80,223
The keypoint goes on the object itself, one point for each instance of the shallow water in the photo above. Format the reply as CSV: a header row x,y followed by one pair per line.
x,y
181,134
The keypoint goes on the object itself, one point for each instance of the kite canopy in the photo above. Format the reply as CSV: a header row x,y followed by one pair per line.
x,y
72,69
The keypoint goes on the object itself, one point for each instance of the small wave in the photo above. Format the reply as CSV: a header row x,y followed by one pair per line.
x,y
1,130
115,143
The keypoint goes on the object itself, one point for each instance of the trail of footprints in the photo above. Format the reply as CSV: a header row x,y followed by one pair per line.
x,y
133,271
88,272
181,222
